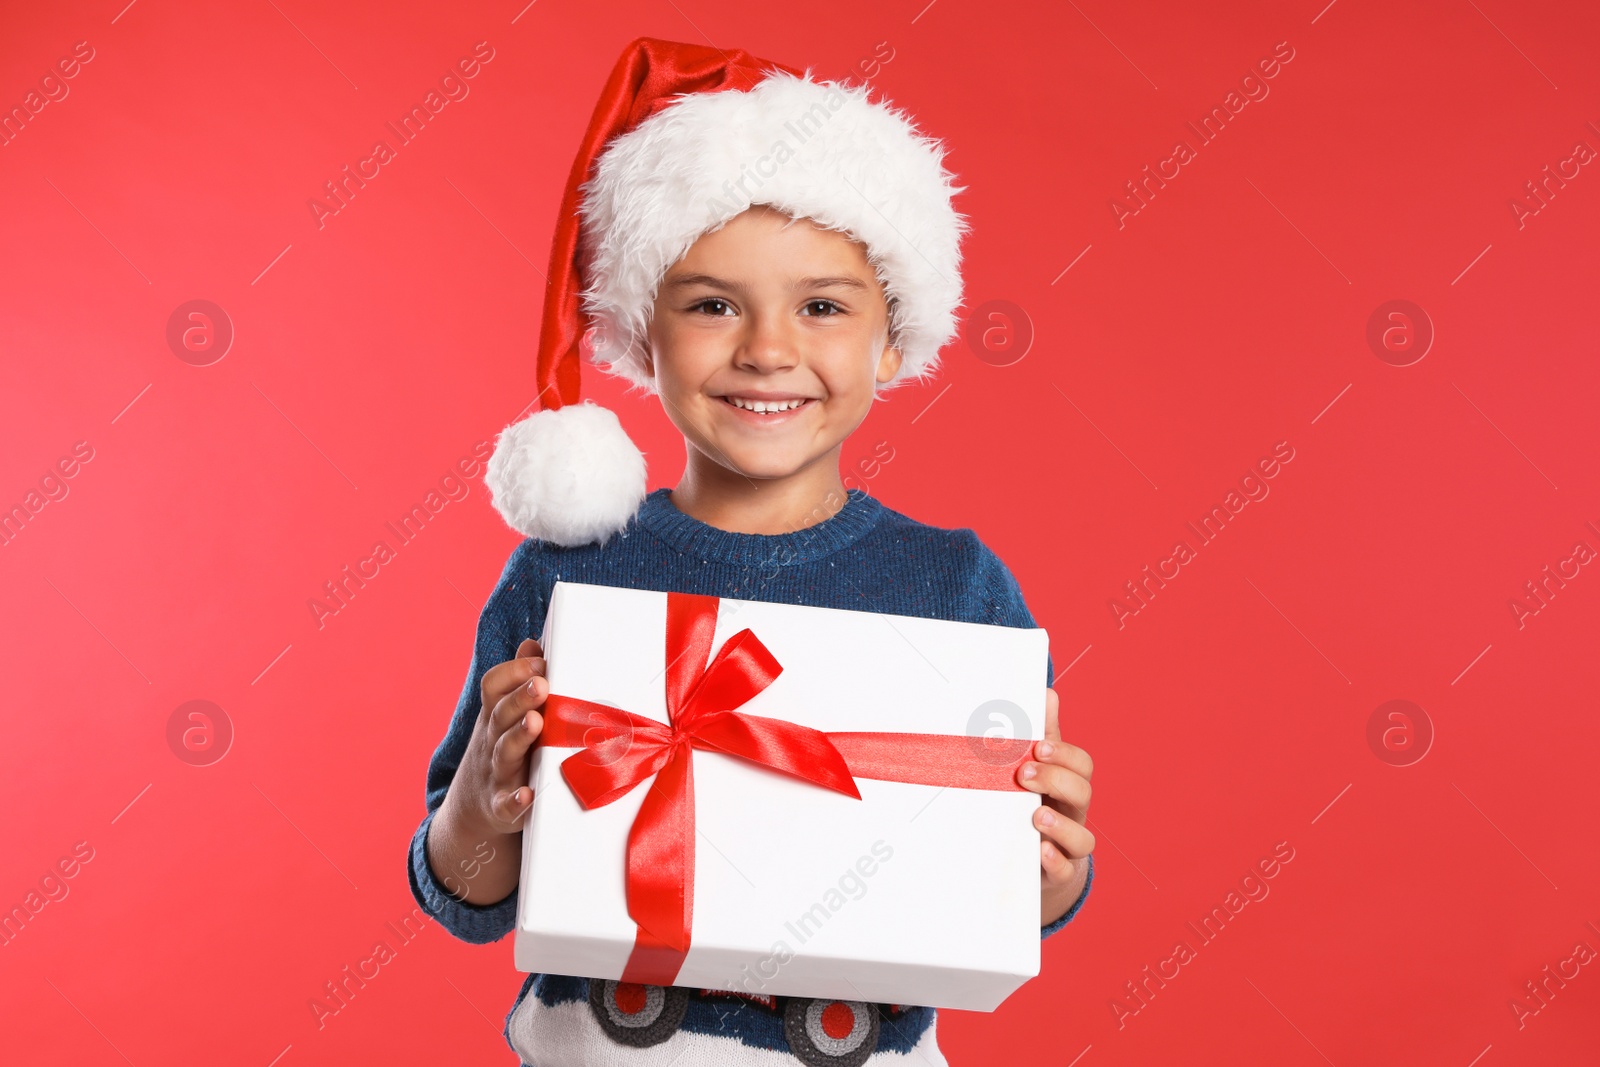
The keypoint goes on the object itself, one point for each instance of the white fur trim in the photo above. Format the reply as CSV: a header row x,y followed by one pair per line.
x,y
812,150
570,476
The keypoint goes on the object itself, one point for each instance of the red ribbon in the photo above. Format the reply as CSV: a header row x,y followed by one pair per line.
x,y
621,749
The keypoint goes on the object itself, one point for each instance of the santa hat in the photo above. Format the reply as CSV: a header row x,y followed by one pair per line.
x,y
683,139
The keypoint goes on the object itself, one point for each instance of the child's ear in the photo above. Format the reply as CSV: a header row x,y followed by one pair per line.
x,y
888,364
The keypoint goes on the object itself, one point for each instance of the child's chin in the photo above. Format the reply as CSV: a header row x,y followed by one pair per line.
x,y
762,465
764,469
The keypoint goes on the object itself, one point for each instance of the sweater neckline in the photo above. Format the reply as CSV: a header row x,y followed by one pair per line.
x,y
689,535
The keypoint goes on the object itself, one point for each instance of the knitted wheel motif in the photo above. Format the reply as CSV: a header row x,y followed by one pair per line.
x,y
830,1033
635,1014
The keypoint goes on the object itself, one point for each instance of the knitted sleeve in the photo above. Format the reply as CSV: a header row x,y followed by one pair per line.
x,y
507,618
1000,598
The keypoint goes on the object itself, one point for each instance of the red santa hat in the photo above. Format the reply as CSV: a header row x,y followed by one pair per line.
x,y
683,139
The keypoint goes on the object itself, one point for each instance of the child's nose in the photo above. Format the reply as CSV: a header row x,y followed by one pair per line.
x,y
767,346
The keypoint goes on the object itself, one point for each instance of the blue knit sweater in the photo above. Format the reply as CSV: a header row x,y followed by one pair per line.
x,y
866,557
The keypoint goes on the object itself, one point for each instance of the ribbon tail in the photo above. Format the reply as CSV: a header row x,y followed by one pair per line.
x,y
660,876
651,962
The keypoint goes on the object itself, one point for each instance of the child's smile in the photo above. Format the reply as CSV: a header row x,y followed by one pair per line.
x,y
765,405
768,410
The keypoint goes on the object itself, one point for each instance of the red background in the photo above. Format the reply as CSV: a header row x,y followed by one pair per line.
x,y
1229,714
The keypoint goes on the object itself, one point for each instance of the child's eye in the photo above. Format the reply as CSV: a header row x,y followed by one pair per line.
x,y
830,307
717,301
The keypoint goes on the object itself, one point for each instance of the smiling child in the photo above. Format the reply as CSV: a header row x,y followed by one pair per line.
x,y
767,304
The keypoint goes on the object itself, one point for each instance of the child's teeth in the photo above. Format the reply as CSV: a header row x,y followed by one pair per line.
x,y
764,407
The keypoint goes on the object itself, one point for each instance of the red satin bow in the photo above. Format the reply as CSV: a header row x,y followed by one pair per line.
x,y
621,749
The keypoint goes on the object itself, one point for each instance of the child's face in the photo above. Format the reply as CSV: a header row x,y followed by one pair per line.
x,y
782,316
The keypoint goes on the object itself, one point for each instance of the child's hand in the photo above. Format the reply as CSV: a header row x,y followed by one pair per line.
x,y
490,790
1060,773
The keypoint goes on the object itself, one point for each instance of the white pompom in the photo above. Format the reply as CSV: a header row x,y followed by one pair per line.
x,y
570,476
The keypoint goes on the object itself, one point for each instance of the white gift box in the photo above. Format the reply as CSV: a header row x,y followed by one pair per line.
x,y
913,894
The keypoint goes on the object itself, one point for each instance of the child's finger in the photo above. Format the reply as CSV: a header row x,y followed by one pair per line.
x,y
1052,715
517,703
510,805
1071,837
1065,755
509,761
1058,867
1058,783
532,651
503,678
